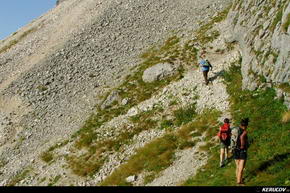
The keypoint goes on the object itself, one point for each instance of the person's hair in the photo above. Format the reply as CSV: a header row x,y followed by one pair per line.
x,y
202,54
226,120
245,122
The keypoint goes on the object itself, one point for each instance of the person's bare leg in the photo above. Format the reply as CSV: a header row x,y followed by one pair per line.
x,y
226,152
222,156
240,170
237,169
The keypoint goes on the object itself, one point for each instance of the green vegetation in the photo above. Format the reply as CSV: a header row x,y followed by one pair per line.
x,y
163,149
133,88
87,156
20,176
262,79
205,34
15,41
184,115
92,159
286,24
136,91
54,180
285,87
269,153
48,156
277,19
170,52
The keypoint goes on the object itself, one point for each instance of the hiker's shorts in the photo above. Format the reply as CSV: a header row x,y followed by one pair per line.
x,y
240,154
225,144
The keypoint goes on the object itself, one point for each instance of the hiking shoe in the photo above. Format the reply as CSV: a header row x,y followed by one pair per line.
x,y
241,184
222,164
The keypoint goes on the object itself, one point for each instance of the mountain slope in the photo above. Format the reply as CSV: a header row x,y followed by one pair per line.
x,y
54,70
83,113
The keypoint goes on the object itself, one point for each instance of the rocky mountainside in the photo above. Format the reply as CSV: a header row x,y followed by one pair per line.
x,y
261,29
92,89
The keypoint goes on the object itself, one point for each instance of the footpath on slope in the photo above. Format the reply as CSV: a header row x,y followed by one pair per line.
x,y
190,160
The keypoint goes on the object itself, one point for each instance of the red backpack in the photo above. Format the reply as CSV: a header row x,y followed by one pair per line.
x,y
225,132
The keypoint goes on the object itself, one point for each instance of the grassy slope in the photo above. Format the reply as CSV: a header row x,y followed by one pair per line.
x,y
269,153
164,148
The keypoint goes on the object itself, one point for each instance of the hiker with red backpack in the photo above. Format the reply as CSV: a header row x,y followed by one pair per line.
x,y
224,135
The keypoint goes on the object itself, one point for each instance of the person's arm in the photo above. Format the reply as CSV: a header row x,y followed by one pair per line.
x,y
243,140
209,64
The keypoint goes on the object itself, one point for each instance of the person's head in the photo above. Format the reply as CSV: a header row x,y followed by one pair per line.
x,y
226,120
202,55
244,123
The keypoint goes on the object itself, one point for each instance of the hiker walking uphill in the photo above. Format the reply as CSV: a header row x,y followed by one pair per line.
x,y
224,135
240,151
205,67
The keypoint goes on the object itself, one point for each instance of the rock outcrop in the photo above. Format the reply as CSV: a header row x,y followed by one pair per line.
x,y
261,28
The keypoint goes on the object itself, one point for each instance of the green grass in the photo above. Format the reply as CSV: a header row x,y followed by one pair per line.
x,y
269,153
286,24
48,155
277,19
54,180
133,88
136,91
92,159
285,87
184,115
163,149
204,33
20,176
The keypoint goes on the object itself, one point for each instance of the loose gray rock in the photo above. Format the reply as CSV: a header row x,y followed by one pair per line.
x,y
113,97
125,101
158,72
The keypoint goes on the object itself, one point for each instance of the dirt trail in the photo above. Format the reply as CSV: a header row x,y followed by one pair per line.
x,y
190,160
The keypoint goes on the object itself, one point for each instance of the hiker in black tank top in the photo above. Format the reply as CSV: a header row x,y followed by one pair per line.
x,y
240,152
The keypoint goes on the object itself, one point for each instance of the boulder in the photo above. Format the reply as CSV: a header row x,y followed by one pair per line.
x,y
158,72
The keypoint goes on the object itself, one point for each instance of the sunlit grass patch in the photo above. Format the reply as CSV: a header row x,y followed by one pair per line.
x,y
268,154
163,149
